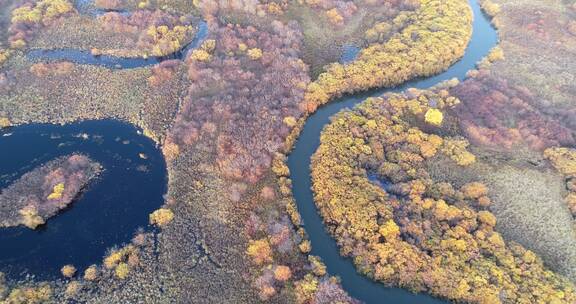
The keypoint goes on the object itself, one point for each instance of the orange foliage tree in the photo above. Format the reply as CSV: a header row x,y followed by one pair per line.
x,y
435,37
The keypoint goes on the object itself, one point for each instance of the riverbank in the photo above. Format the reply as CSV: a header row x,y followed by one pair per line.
x,y
82,233
483,39
226,111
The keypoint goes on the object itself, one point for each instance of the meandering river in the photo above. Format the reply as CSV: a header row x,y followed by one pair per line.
x,y
125,195
484,38
111,210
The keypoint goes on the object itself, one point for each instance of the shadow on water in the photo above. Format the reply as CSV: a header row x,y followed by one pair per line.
x,y
108,213
484,37
113,62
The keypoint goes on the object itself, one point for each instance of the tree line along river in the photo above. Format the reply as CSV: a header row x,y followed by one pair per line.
x,y
28,256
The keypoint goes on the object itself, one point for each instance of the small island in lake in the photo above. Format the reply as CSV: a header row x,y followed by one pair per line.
x,y
44,191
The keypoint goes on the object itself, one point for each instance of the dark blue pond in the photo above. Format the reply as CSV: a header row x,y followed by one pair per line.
x,y
108,213
112,62
323,245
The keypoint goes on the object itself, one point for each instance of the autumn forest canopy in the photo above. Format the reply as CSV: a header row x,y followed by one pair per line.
x,y
464,191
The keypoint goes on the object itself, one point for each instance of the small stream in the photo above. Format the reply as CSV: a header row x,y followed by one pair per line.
x,y
113,62
483,39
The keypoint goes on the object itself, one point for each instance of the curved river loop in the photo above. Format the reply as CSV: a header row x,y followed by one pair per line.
x,y
106,214
113,207
484,38
29,249
113,62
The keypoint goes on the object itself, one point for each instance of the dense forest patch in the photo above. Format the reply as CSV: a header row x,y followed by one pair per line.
x,y
421,233
229,231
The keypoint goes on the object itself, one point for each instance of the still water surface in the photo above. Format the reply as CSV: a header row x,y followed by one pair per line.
x,y
108,213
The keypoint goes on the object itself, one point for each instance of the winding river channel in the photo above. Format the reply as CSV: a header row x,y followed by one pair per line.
x,y
89,238
111,210
484,38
